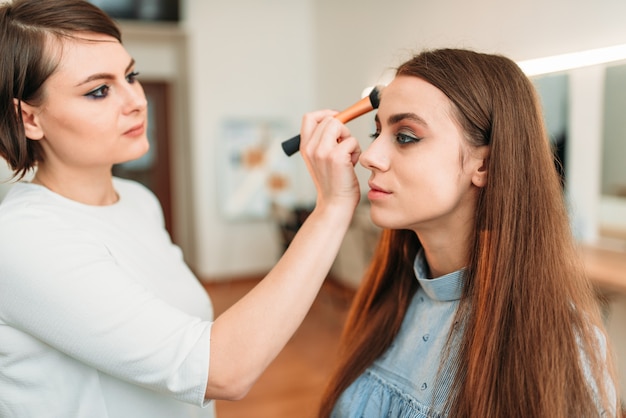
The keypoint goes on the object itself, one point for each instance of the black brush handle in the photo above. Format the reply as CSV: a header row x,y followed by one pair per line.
x,y
292,145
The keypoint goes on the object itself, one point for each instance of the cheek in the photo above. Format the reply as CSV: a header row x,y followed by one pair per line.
x,y
428,195
431,174
79,119
74,133
433,190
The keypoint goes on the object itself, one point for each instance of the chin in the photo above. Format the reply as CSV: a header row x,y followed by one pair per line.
x,y
140,151
130,158
389,221
379,220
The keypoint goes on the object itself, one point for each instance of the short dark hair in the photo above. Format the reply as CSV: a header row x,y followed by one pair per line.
x,y
25,28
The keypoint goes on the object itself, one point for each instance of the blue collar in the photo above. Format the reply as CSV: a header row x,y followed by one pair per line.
x,y
444,288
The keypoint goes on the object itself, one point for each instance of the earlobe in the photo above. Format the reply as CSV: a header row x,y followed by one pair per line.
x,y
28,114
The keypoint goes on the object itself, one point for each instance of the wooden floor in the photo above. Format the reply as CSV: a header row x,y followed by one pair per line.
x,y
292,385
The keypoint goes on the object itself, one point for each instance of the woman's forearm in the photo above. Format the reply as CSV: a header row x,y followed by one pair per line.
x,y
247,337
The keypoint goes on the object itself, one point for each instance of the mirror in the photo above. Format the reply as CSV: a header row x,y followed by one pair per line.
x,y
583,96
553,92
612,217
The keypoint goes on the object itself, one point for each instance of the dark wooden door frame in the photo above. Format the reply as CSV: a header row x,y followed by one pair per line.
x,y
156,176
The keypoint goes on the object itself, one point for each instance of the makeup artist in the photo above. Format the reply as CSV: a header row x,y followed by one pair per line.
x,y
476,303
99,315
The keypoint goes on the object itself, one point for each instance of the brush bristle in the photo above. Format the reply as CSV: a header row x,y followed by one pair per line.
x,y
375,97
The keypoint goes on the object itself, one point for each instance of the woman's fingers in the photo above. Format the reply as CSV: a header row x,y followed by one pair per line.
x,y
330,152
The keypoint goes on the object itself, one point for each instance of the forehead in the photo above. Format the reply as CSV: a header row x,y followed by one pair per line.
x,y
413,92
408,95
83,54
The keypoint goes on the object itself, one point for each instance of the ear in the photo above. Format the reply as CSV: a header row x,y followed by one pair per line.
x,y
479,176
32,129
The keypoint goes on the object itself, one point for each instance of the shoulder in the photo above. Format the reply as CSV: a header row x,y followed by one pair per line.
x,y
26,200
20,192
130,188
133,192
134,196
38,229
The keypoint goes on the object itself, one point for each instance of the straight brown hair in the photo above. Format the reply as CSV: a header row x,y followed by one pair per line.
x,y
531,320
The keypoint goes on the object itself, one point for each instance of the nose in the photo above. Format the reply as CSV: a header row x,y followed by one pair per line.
x,y
134,98
375,157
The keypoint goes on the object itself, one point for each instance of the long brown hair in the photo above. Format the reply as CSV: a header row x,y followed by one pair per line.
x,y
25,62
528,310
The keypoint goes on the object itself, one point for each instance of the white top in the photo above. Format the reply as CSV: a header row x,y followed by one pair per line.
x,y
99,315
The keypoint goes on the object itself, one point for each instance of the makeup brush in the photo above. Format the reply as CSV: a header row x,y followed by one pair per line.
x,y
366,104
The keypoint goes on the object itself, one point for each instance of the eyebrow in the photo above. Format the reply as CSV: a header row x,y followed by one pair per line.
x,y
104,76
399,117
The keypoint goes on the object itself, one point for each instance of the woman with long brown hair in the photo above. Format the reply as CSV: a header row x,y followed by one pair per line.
x,y
476,303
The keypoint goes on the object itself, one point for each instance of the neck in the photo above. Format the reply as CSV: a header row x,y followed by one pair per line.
x,y
446,250
442,261
447,241
91,189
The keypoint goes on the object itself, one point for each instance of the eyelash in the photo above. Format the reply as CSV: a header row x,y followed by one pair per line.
x,y
401,138
102,91
132,77
99,93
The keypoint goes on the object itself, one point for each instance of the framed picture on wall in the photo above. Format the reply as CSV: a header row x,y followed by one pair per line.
x,y
254,173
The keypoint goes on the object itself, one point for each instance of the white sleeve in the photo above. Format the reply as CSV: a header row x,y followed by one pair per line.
x,y
63,287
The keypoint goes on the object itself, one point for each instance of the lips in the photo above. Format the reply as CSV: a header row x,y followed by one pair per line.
x,y
376,192
136,130
376,188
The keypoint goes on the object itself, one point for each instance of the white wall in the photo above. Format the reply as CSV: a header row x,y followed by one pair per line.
x,y
248,59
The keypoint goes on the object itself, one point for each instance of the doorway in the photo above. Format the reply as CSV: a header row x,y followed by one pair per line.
x,y
153,169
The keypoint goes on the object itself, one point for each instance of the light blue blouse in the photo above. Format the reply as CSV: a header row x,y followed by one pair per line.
x,y
403,382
